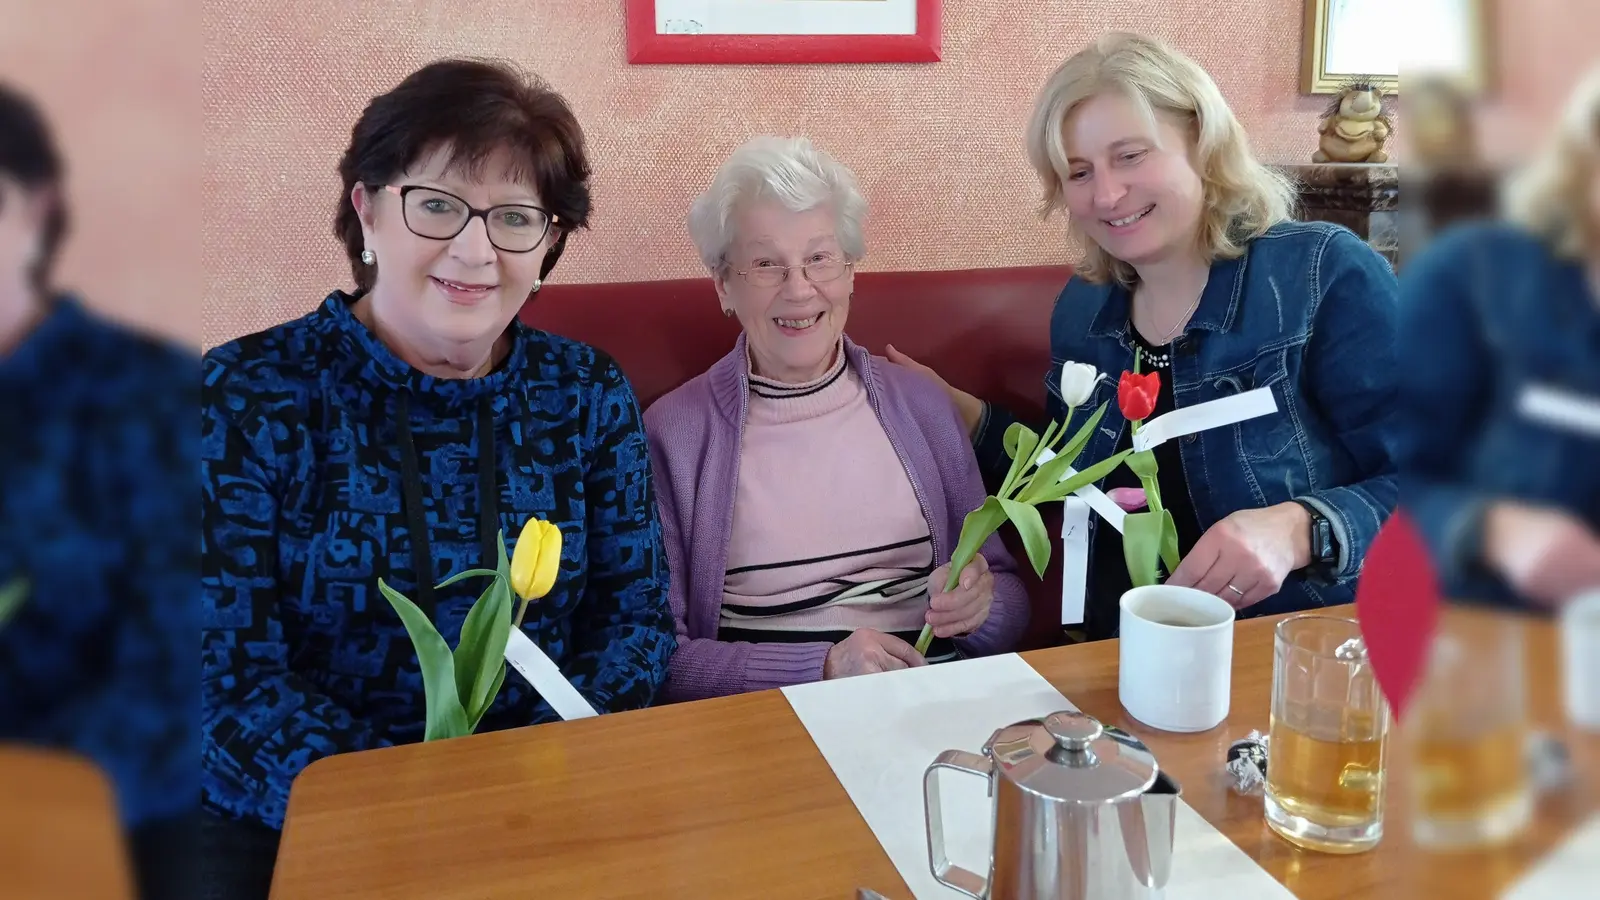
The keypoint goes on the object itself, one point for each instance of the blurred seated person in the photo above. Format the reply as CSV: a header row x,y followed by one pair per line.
x,y
97,524
1501,330
811,494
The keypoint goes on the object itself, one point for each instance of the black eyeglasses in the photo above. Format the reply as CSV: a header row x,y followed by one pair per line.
x,y
440,216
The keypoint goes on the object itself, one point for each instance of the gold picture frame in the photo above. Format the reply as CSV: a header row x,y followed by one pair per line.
x,y
1334,54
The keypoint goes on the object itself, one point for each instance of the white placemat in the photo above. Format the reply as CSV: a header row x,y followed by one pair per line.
x,y
1565,871
880,732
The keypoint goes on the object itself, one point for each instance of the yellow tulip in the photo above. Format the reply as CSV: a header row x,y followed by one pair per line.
x,y
536,560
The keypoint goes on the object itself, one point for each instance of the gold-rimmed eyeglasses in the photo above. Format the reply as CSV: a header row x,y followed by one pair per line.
x,y
820,270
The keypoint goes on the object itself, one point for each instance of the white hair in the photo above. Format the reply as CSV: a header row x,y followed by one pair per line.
x,y
789,170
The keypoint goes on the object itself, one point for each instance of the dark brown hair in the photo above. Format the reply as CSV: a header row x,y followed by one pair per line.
x,y
28,154
475,107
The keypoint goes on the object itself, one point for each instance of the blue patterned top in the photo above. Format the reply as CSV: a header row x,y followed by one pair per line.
x,y
324,456
97,512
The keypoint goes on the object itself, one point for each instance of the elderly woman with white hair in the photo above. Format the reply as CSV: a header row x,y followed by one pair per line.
x,y
811,494
1501,322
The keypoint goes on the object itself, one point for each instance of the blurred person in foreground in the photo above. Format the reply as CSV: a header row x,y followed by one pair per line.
x,y
1193,259
1500,458
97,492
394,432
811,494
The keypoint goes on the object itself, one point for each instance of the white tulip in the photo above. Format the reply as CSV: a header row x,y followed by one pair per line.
x,y
1077,382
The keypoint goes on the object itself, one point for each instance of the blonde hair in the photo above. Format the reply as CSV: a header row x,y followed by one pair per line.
x,y
1242,196
1551,197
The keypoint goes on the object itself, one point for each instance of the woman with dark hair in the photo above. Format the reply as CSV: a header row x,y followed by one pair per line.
x,y
393,433
97,458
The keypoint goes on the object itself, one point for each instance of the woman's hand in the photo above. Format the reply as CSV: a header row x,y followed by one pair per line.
x,y
1545,555
1245,557
867,651
965,609
970,407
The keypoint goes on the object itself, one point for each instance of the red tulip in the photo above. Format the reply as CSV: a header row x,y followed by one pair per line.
x,y
1136,395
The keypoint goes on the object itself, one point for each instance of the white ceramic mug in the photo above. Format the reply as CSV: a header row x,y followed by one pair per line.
x,y
1176,663
1580,660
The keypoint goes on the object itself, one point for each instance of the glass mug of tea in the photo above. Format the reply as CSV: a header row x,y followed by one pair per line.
x,y
1463,735
1328,738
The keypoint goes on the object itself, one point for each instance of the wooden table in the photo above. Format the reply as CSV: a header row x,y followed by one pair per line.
x,y
59,832
730,798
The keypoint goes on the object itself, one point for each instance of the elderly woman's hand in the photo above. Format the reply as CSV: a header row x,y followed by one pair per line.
x,y
965,609
867,651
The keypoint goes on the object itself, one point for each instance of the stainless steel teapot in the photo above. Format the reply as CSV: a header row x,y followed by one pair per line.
x,y
1078,814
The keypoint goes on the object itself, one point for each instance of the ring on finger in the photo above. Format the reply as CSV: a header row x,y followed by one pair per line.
x,y
1236,591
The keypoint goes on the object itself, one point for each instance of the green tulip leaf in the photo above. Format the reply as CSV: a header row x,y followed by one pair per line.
x,y
1020,443
1020,436
975,529
1141,546
1094,473
488,573
1169,541
494,691
1086,431
11,599
1051,473
1143,464
1031,527
446,718
481,652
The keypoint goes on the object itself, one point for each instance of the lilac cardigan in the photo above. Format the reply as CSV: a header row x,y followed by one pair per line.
x,y
695,435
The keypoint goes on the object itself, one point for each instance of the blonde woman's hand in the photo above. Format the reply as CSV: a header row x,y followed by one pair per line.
x,y
970,407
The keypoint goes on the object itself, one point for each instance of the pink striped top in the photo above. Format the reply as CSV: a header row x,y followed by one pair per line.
x,y
828,535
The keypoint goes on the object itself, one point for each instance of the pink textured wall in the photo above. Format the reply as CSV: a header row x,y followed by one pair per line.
x,y
937,146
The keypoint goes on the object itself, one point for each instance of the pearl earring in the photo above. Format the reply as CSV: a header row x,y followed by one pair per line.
x,y
727,313
368,257
537,283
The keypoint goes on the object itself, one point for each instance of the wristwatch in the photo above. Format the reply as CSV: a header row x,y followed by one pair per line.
x,y
1324,547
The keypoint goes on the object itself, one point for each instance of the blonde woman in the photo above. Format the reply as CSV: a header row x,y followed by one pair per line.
x,y
1501,324
1191,257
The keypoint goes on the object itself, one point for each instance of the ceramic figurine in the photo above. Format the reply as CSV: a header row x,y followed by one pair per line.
x,y
1355,127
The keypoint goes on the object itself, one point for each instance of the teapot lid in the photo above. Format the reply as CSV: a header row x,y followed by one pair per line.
x,y
1069,756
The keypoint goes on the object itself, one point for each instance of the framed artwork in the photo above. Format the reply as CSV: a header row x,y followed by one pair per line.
x,y
1372,39
783,31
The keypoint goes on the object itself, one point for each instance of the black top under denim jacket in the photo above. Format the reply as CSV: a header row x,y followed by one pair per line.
x,y
1309,311
1108,565
1489,312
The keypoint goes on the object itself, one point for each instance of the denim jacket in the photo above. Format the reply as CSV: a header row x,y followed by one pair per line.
x,y
1488,313
1309,311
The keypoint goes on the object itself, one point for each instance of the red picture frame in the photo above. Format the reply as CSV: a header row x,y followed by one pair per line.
x,y
645,46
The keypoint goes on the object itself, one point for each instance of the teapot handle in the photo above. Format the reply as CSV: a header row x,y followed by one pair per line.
x,y
951,876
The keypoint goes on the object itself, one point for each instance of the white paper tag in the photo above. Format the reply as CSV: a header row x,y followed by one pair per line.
x,y
541,672
1561,409
1204,416
1075,540
1096,498
1074,559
